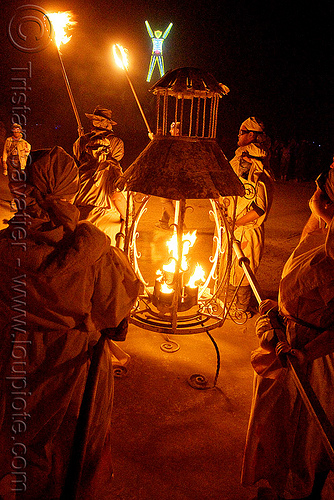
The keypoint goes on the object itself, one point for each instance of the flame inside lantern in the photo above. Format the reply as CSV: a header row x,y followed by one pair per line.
x,y
188,240
61,22
166,289
121,56
198,276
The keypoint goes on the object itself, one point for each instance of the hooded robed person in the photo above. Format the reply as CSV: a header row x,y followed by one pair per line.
x,y
249,212
98,155
283,443
61,283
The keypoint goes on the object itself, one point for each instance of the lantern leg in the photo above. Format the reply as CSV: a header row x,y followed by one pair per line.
x,y
169,345
198,381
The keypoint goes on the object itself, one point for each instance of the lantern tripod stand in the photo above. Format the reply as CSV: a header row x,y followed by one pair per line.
x,y
181,310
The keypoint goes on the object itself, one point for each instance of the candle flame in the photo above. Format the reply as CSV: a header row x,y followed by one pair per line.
x,y
121,56
61,22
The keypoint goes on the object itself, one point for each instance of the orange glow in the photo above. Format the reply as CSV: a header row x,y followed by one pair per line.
x,y
196,277
165,288
188,241
61,22
121,56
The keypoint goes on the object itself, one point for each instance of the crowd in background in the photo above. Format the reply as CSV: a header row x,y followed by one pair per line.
x,y
291,159
300,160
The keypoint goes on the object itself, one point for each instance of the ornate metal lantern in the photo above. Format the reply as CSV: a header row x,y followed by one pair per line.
x,y
186,167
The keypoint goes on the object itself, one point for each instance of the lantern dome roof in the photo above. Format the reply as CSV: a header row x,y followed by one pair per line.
x,y
189,82
180,168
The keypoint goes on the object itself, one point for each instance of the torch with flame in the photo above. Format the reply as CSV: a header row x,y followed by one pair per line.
x,y
61,22
121,59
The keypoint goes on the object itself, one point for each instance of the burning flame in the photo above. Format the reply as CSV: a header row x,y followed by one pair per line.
x,y
121,58
61,22
165,288
188,241
197,276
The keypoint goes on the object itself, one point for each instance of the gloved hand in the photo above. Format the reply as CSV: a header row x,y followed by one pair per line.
x,y
265,331
268,305
119,333
285,348
268,326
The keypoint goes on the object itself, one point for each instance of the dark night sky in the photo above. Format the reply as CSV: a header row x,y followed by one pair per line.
x,y
276,58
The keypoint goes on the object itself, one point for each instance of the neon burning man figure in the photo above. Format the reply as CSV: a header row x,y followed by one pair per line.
x,y
157,57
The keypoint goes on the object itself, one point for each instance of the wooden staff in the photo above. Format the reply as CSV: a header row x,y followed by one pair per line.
x,y
304,387
121,61
80,439
79,445
70,93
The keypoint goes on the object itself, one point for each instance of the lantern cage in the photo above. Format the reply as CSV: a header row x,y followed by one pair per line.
x,y
187,169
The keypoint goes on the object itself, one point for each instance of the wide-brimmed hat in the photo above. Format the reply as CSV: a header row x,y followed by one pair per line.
x,y
101,118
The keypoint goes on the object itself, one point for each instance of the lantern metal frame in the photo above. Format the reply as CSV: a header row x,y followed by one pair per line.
x,y
190,166
206,314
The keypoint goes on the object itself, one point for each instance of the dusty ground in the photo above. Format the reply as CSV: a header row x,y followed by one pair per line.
x,y
172,441
288,215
